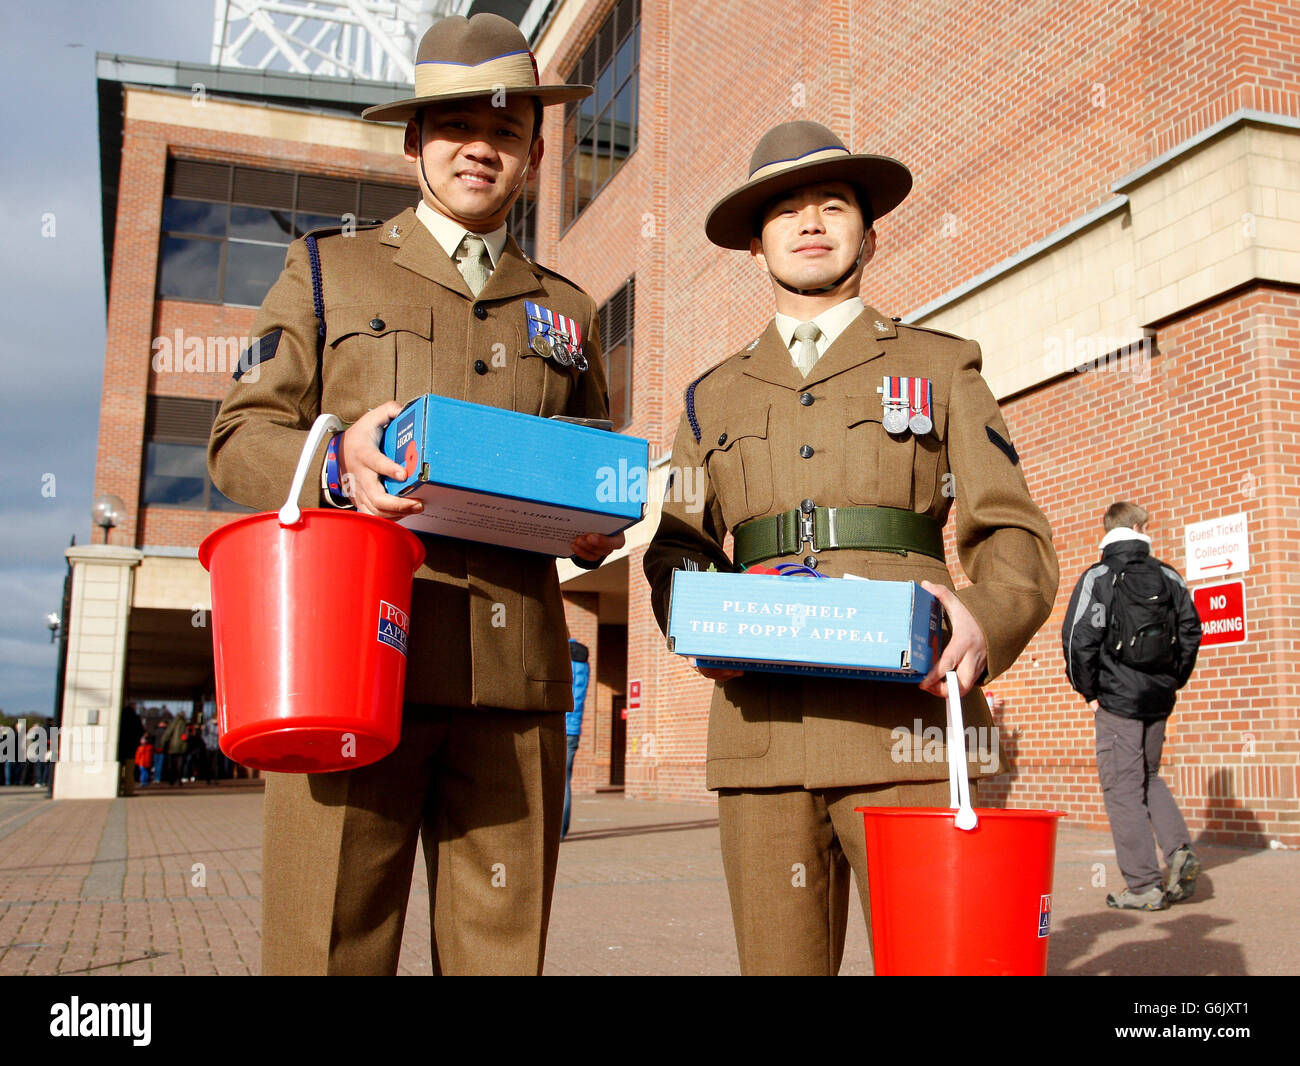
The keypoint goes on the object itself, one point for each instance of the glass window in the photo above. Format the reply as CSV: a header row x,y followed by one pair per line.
x,y
189,269
176,456
251,270
175,474
603,129
304,223
617,318
194,216
259,224
249,216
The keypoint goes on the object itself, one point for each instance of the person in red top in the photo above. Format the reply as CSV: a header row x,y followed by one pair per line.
x,y
144,758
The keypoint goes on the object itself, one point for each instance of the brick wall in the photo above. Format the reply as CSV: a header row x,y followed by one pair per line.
x,y
1211,432
1015,120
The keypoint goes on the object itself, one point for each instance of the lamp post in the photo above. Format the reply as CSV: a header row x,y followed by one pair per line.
x,y
58,629
108,511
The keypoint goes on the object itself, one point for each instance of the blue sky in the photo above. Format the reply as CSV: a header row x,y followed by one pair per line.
x,y
52,314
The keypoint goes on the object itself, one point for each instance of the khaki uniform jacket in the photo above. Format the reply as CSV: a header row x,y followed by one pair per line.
x,y
399,321
745,426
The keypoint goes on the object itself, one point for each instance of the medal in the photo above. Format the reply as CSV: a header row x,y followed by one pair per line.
x,y
918,393
560,350
893,402
554,336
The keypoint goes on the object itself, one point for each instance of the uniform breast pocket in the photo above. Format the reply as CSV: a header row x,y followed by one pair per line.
x,y
738,460
375,355
891,469
542,385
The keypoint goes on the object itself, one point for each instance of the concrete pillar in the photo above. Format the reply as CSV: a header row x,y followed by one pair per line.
x,y
102,583
582,614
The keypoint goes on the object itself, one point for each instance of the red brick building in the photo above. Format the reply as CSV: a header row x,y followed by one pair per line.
x,y
1106,197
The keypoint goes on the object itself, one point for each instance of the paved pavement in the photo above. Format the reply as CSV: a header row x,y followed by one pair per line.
x,y
169,882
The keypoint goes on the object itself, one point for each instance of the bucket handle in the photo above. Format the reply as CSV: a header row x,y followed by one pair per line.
x,y
958,773
290,515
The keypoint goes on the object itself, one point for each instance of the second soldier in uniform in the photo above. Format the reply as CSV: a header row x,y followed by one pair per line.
x,y
837,406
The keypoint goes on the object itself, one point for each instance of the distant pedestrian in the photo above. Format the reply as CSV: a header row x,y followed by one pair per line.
x,y
159,755
578,656
1130,637
129,732
144,755
217,761
173,746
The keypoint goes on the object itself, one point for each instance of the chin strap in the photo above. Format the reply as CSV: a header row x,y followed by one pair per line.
x,y
810,292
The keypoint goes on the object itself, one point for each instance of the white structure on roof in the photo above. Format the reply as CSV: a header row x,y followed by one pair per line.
x,y
373,40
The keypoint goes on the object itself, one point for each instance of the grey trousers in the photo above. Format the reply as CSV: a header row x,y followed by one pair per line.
x,y
1137,800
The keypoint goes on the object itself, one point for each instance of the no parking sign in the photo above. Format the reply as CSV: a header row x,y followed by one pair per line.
x,y
1222,609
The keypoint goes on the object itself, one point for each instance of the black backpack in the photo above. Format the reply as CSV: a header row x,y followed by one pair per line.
x,y
1142,630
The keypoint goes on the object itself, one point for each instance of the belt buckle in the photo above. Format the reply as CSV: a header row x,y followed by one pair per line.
x,y
808,526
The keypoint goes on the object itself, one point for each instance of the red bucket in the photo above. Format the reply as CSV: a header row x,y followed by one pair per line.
x,y
310,616
949,901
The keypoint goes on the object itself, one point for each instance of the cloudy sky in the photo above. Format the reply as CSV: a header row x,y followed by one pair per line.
x,y
52,309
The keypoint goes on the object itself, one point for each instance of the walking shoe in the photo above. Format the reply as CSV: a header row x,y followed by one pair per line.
x,y
1183,871
1152,899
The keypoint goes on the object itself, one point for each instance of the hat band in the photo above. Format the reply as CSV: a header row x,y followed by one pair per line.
x,y
787,164
514,71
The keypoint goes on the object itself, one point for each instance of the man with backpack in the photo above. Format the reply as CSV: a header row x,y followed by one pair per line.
x,y
1130,637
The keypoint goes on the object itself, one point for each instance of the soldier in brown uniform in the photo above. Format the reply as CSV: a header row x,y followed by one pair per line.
x,y
358,324
786,430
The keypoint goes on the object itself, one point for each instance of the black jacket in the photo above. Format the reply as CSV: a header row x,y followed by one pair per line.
x,y
1093,671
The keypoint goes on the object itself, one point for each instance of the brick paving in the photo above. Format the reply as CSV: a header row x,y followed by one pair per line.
x,y
169,882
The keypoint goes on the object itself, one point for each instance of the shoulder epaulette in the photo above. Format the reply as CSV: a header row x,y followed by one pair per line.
x,y
931,329
555,274
332,230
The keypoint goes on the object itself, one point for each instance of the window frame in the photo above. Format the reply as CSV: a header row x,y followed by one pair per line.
x,y
603,111
185,440
605,314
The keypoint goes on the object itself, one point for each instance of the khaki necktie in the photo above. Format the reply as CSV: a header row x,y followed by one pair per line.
x,y
806,333
474,264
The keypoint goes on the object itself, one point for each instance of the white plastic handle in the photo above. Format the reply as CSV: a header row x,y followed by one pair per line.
x,y
290,515
958,776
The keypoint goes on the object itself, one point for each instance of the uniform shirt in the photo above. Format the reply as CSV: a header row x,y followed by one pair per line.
x,y
832,323
449,234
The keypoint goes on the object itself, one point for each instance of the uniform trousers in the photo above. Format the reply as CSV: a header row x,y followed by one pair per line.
x,y
787,853
1137,799
483,789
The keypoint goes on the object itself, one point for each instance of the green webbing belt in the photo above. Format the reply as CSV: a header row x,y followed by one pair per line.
x,y
884,529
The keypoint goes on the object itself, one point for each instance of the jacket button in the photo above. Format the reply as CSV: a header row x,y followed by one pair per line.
x,y
480,367
806,451
480,312
806,398
722,440
376,324
810,561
